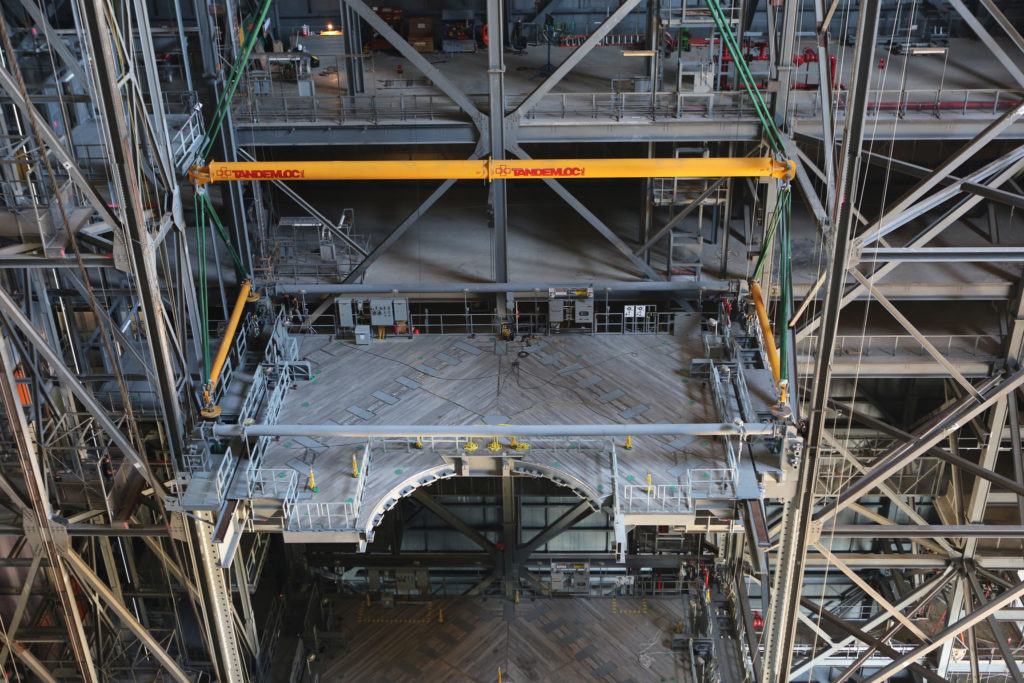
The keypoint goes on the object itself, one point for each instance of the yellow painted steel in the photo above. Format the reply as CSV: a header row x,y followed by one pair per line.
x,y
486,169
229,335
766,329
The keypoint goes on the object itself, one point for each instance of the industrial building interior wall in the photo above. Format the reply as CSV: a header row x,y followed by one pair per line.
x,y
545,427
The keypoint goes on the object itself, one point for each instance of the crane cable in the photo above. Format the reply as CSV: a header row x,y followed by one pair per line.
x,y
779,221
203,204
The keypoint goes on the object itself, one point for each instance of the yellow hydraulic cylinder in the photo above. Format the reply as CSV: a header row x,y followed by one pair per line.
x,y
486,169
766,329
225,344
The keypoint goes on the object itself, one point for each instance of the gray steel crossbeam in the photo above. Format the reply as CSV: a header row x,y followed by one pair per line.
x,y
1009,63
950,217
956,460
947,634
573,59
867,638
569,518
594,221
89,578
962,411
909,327
427,501
56,363
417,60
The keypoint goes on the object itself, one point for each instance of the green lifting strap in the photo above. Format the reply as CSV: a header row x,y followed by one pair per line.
x,y
234,78
771,130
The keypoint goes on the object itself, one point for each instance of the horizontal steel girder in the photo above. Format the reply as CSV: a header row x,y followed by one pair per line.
x,y
450,431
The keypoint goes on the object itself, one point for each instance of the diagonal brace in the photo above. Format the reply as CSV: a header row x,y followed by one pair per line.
x,y
427,501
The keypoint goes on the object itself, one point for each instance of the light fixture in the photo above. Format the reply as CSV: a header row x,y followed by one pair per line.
x,y
639,53
330,27
929,50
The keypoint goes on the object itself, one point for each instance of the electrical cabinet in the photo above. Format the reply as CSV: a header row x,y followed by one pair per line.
x,y
362,335
382,312
345,317
401,309
556,311
584,310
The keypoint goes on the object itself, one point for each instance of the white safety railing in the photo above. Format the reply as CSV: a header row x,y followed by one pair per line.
x,y
185,142
656,498
951,345
222,477
719,482
279,484
611,106
699,483
320,517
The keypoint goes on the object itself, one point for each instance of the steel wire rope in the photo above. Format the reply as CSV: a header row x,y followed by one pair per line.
x,y
10,645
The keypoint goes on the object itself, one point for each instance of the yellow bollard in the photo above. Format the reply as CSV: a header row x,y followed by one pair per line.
x,y
679,627
517,597
629,443
440,615
367,599
355,467
494,446
499,674
471,446
649,487
312,482
512,442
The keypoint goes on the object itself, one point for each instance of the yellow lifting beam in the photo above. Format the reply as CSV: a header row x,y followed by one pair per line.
x,y
486,169
246,295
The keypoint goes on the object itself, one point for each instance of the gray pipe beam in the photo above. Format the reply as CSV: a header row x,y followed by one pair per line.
x,y
426,431
945,254
925,531
620,286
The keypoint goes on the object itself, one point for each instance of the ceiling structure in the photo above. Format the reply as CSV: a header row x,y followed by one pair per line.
x,y
713,306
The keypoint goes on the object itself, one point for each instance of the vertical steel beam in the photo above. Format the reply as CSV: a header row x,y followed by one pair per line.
x,y
219,601
997,631
780,630
509,530
37,517
118,139
496,134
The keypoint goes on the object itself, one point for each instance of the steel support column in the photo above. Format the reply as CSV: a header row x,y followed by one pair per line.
x,y
118,139
37,518
496,134
780,631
